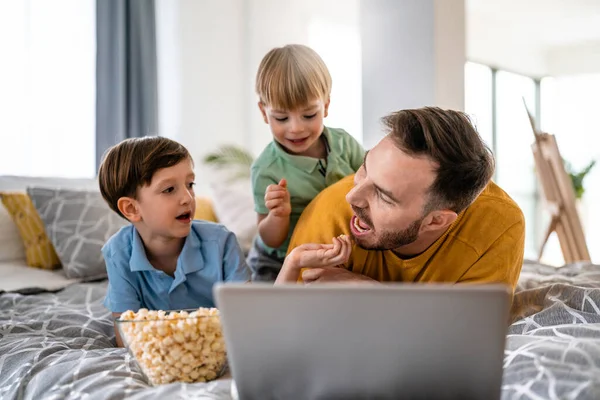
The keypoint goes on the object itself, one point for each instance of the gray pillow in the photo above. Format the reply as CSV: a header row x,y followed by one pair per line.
x,y
78,224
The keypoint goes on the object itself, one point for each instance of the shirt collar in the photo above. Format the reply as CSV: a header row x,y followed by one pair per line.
x,y
190,259
138,260
304,163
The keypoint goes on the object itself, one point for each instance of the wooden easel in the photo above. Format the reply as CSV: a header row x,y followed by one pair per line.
x,y
560,197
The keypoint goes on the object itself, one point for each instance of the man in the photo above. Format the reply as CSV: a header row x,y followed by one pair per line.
x,y
422,208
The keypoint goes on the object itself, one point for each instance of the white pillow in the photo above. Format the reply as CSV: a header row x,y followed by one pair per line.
x,y
11,183
11,245
234,207
18,277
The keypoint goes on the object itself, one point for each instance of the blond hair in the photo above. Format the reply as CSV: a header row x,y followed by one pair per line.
x,y
291,76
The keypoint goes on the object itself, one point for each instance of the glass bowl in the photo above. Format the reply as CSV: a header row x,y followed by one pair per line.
x,y
175,346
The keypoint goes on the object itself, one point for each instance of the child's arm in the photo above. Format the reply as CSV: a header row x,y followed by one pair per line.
x,y
273,227
314,256
121,295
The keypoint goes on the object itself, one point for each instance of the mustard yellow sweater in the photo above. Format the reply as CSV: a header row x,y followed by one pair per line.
x,y
484,245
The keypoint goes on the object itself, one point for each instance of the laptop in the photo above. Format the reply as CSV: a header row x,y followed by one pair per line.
x,y
400,341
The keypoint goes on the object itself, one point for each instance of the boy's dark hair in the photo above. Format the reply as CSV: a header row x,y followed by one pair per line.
x,y
465,163
132,163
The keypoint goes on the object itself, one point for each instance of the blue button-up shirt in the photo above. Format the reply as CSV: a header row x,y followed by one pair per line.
x,y
210,254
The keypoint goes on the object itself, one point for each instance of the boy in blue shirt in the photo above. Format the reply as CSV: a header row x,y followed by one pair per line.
x,y
164,260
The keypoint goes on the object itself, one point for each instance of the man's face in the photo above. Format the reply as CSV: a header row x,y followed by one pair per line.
x,y
389,196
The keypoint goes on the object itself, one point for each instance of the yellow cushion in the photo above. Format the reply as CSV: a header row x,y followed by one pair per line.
x,y
39,251
205,210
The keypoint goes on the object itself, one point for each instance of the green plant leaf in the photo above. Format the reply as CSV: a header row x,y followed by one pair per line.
x,y
234,160
229,155
577,177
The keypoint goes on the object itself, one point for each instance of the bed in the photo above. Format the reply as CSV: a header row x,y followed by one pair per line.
x,y
61,345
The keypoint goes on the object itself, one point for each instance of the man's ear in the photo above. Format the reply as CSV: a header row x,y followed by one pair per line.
x,y
261,106
129,208
438,220
326,113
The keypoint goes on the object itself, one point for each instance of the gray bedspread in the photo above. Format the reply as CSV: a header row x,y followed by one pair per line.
x,y
553,346
60,345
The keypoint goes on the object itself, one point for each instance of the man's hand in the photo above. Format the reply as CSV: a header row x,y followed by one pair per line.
x,y
314,256
277,199
334,274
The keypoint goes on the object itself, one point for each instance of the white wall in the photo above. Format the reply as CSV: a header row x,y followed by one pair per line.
x,y
209,52
450,44
201,68
398,59
410,53
330,27
413,55
265,29
495,42
536,37
575,59
201,75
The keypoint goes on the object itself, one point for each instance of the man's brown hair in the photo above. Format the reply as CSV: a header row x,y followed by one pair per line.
x,y
133,162
465,163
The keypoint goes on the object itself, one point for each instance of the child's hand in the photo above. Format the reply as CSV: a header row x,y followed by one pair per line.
x,y
277,199
321,255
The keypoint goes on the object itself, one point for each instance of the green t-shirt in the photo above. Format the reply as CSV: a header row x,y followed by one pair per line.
x,y
303,174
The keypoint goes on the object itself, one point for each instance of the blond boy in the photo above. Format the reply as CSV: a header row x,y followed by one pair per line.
x,y
294,86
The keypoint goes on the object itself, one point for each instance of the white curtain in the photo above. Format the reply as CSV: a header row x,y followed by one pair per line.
x,y
47,87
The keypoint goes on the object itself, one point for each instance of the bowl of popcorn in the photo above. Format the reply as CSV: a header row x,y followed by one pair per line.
x,y
175,346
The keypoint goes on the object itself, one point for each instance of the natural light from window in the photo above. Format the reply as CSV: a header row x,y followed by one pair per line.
x,y
47,76
339,46
515,171
513,137
478,98
570,112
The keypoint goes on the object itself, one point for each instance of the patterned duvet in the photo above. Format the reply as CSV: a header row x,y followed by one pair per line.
x,y
60,345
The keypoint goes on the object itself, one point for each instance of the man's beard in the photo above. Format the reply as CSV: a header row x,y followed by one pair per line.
x,y
389,240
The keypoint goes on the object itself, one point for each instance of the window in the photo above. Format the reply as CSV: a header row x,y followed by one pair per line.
x,y
569,107
494,100
47,76
478,99
339,46
514,159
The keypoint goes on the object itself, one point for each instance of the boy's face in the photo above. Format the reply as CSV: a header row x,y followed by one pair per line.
x,y
166,207
297,130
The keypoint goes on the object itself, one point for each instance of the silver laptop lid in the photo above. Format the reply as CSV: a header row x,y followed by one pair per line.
x,y
363,341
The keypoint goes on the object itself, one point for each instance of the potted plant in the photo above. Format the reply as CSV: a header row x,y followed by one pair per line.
x,y
231,159
578,176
